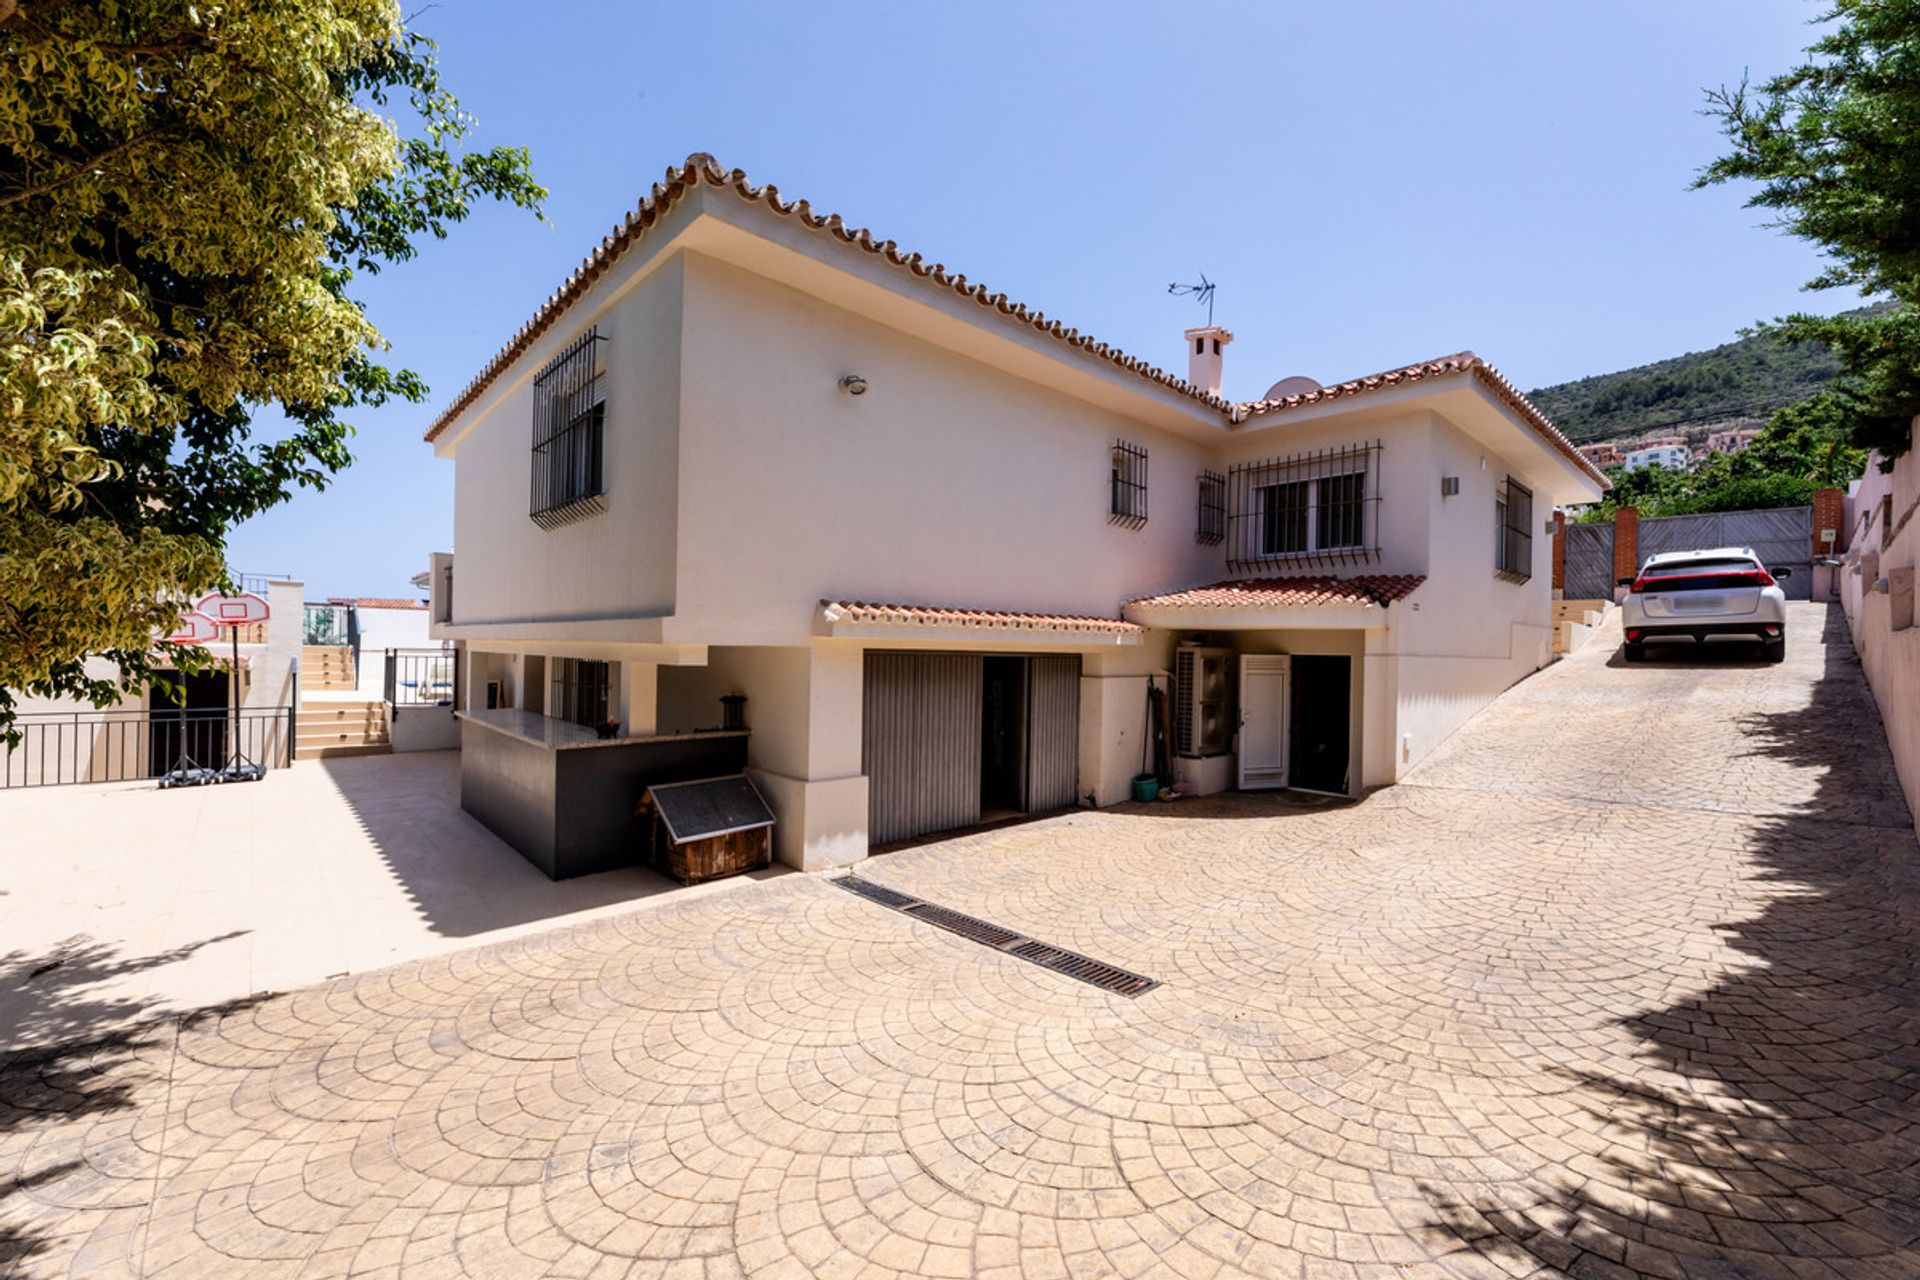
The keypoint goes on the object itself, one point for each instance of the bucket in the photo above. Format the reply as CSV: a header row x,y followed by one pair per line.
x,y
1146,787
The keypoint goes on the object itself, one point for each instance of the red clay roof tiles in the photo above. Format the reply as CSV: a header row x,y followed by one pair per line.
x,y
860,611
377,602
702,169
1291,593
1459,362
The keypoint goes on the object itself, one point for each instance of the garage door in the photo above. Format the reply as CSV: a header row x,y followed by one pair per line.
x,y
921,743
1053,732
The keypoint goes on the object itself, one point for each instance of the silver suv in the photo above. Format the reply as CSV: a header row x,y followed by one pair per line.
x,y
1705,596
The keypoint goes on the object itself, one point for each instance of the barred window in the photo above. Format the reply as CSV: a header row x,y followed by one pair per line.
x,y
1210,527
1312,506
1513,532
1283,517
579,691
1127,493
569,431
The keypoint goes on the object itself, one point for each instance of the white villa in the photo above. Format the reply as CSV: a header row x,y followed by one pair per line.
x,y
942,544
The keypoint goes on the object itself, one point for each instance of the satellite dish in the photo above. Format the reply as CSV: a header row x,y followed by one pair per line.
x,y
1297,385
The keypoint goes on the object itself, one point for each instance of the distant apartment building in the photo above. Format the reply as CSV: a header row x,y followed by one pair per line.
x,y
1675,456
1731,441
1603,454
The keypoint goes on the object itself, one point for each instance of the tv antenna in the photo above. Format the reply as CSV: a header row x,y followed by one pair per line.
x,y
1202,292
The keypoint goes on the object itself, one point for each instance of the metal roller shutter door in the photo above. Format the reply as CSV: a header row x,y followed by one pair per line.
x,y
920,743
1053,732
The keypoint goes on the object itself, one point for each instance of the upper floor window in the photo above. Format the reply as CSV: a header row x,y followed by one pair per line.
x,y
1311,506
1513,531
569,434
1210,524
1127,490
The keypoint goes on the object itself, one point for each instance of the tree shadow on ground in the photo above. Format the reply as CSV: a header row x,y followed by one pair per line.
x,y
76,1052
1770,1125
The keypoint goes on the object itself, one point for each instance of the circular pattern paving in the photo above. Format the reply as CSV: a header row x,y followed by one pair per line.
x,y
1621,981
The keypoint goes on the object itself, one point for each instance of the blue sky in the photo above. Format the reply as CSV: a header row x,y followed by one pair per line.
x,y
1369,184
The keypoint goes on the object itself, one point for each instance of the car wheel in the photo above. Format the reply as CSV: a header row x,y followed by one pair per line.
x,y
1775,650
1634,652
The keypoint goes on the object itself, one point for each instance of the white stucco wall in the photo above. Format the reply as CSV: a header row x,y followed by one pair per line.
x,y
1890,658
383,629
618,563
948,482
1466,635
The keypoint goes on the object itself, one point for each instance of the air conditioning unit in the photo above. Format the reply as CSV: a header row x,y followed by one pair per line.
x,y
1201,701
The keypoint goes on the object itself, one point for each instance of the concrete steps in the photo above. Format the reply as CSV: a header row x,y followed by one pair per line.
x,y
1575,621
326,668
341,727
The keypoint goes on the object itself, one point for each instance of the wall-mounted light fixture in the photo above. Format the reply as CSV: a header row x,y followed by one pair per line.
x,y
854,385
1449,486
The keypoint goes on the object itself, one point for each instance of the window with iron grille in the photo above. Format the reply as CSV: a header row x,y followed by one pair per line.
x,y
569,431
1127,494
579,691
1311,506
1210,527
1513,532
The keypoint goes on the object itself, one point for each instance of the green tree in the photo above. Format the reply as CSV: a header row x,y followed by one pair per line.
x,y
187,194
1803,447
1834,145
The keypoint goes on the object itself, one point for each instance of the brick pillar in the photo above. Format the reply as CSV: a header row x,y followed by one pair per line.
x,y
1829,512
1559,550
1626,542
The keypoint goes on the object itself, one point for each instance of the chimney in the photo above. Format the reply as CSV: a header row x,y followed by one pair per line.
x,y
1203,356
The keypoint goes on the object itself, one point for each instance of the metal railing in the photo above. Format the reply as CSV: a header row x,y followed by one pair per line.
x,y
325,624
172,745
422,677
1319,507
255,582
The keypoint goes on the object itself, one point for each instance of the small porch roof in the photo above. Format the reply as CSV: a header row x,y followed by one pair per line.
x,y
867,620
1245,604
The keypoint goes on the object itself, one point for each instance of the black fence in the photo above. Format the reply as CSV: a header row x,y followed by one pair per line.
x,y
422,677
174,746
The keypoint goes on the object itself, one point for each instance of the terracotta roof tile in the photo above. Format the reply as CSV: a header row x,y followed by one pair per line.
x,y
1291,593
860,611
377,602
702,169
1459,362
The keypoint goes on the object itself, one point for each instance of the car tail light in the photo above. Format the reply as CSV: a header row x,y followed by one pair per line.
x,y
1773,631
1633,633
1755,577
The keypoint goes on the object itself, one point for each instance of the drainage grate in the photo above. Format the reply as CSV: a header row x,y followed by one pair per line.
x,y
1072,964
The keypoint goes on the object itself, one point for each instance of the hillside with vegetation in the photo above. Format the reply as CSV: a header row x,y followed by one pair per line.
x,y
1739,383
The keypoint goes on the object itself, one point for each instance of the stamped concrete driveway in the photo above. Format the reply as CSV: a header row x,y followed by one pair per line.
x,y
1621,982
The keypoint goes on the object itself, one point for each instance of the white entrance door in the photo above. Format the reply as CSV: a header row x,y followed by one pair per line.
x,y
1263,720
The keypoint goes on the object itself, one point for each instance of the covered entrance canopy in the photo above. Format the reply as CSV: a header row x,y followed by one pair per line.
x,y
1296,647
967,714
1254,604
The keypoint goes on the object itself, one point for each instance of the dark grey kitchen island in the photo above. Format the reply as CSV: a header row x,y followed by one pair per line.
x,y
564,796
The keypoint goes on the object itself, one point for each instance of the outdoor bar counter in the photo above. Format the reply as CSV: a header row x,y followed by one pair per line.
x,y
564,796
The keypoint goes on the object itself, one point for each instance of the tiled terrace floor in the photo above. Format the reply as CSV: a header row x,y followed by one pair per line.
x,y
1623,981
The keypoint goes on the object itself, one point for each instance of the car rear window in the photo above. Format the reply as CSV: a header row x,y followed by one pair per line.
x,y
1717,574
